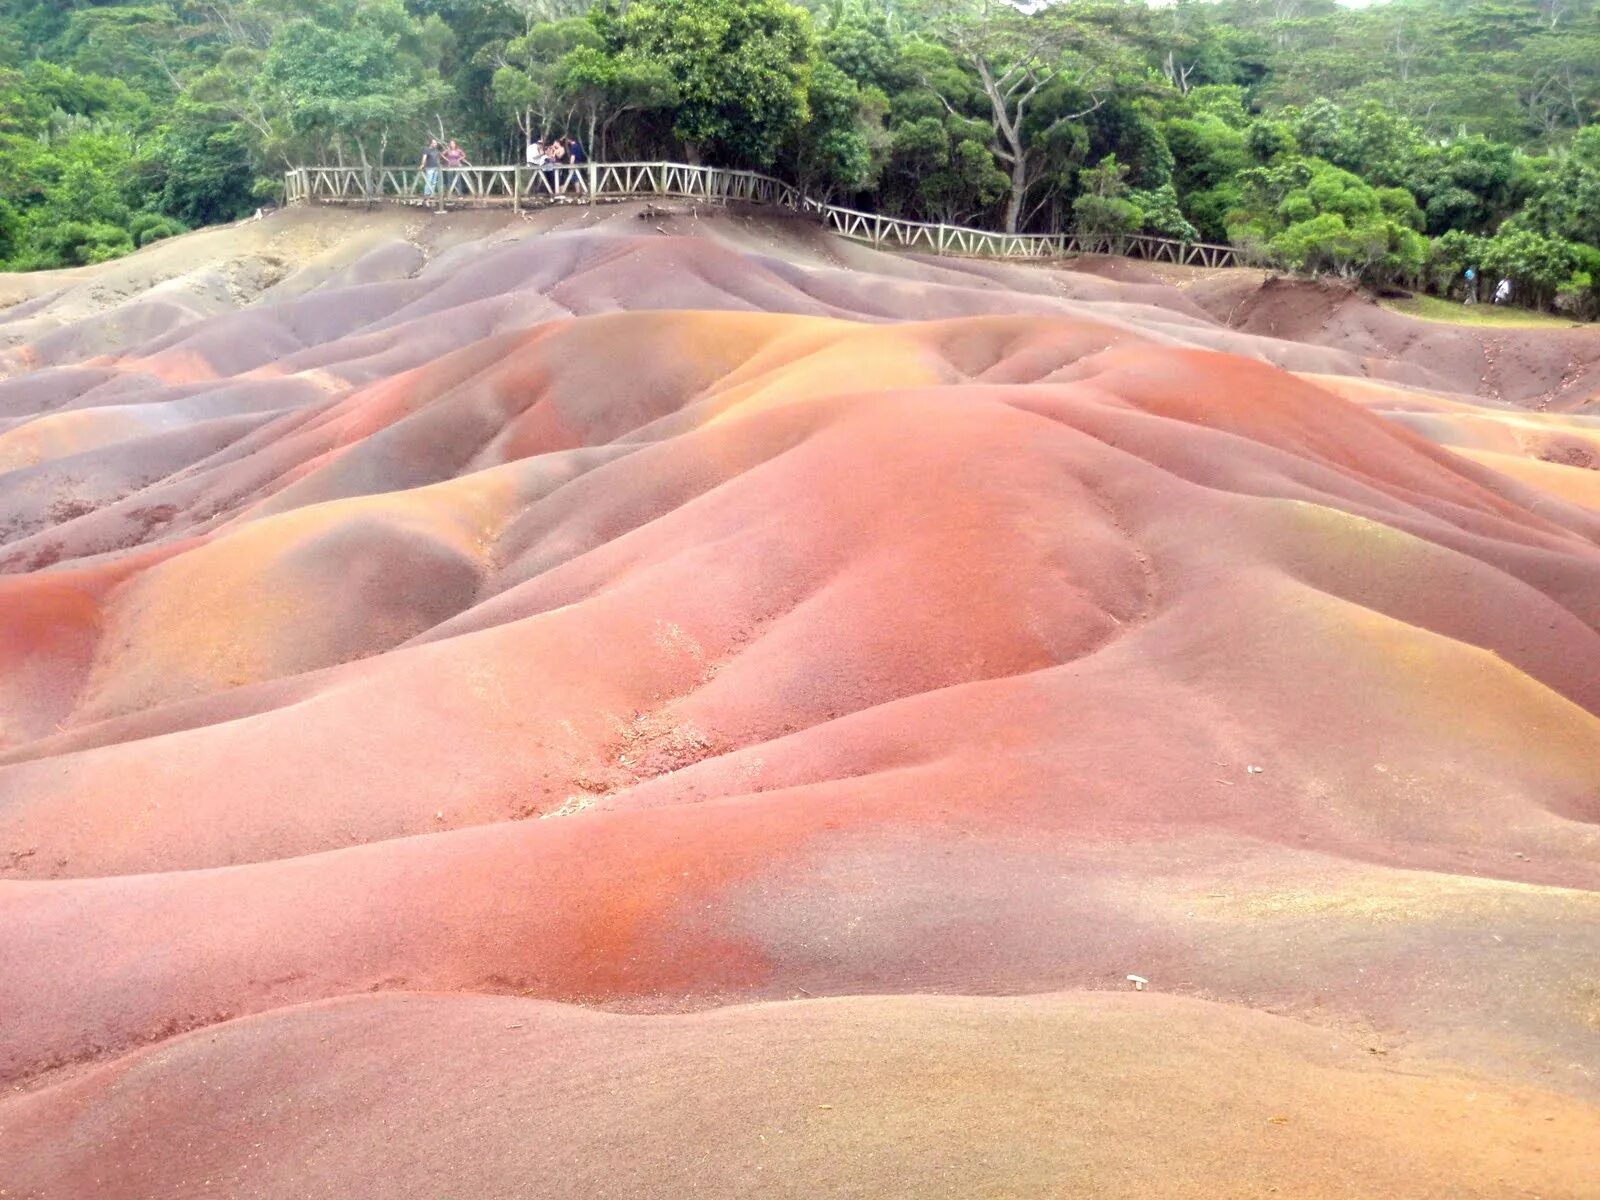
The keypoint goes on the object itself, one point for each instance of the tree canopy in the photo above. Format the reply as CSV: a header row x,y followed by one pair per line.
x,y
1390,142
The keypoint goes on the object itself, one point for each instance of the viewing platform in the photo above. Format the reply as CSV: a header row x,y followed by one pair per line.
x,y
589,183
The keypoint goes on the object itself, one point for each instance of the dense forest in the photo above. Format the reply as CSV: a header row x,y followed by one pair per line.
x,y
1396,143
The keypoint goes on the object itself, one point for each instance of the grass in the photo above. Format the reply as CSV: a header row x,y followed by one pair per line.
x,y
1431,308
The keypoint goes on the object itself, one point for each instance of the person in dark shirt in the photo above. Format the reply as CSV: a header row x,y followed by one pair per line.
x,y
575,154
430,167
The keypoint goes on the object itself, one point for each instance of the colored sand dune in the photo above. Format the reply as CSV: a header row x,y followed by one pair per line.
x,y
567,708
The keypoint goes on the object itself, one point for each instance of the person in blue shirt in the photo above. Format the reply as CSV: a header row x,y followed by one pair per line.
x,y
1471,277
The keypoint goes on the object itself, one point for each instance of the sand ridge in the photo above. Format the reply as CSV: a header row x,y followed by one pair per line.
x,y
490,622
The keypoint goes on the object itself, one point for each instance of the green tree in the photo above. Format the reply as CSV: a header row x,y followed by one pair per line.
x,y
1161,214
10,232
138,44
741,69
1538,266
950,174
1568,204
545,71
349,74
1471,183
832,151
602,87
1016,53
1209,152
864,40
206,170
1369,141
1103,209
1313,216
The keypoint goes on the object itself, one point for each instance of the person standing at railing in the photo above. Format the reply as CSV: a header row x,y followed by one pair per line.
x,y
430,167
575,154
555,155
454,159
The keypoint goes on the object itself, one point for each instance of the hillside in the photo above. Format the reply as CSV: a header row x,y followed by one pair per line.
x,y
1403,143
694,706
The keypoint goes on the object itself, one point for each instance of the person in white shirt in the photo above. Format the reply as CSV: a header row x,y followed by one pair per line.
x,y
536,160
1502,291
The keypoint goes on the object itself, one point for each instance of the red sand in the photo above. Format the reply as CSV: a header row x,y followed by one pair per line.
x,y
847,651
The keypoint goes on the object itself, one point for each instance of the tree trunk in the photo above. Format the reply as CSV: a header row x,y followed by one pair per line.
x,y
1007,112
366,171
1019,188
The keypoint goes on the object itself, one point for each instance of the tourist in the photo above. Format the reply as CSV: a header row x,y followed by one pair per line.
x,y
538,155
575,154
1472,286
430,167
554,153
1502,291
454,159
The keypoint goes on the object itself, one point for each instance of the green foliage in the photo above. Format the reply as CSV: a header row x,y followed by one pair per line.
x,y
833,151
76,243
741,68
1104,209
1313,216
603,86
1320,136
1369,141
551,63
205,169
860,41
1449,256
152,227
1568,202
951,177
1161,215
127,43
1580,294
1206,151
10,230
1537,265
1268,139
1123,128
359,78
1471,184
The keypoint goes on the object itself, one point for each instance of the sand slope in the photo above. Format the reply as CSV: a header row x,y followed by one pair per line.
x,y
1114,1096
658,617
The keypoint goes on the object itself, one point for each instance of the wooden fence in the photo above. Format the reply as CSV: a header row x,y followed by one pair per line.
x,y
518,187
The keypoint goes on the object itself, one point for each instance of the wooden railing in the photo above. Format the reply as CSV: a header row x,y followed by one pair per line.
x,y
517,187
